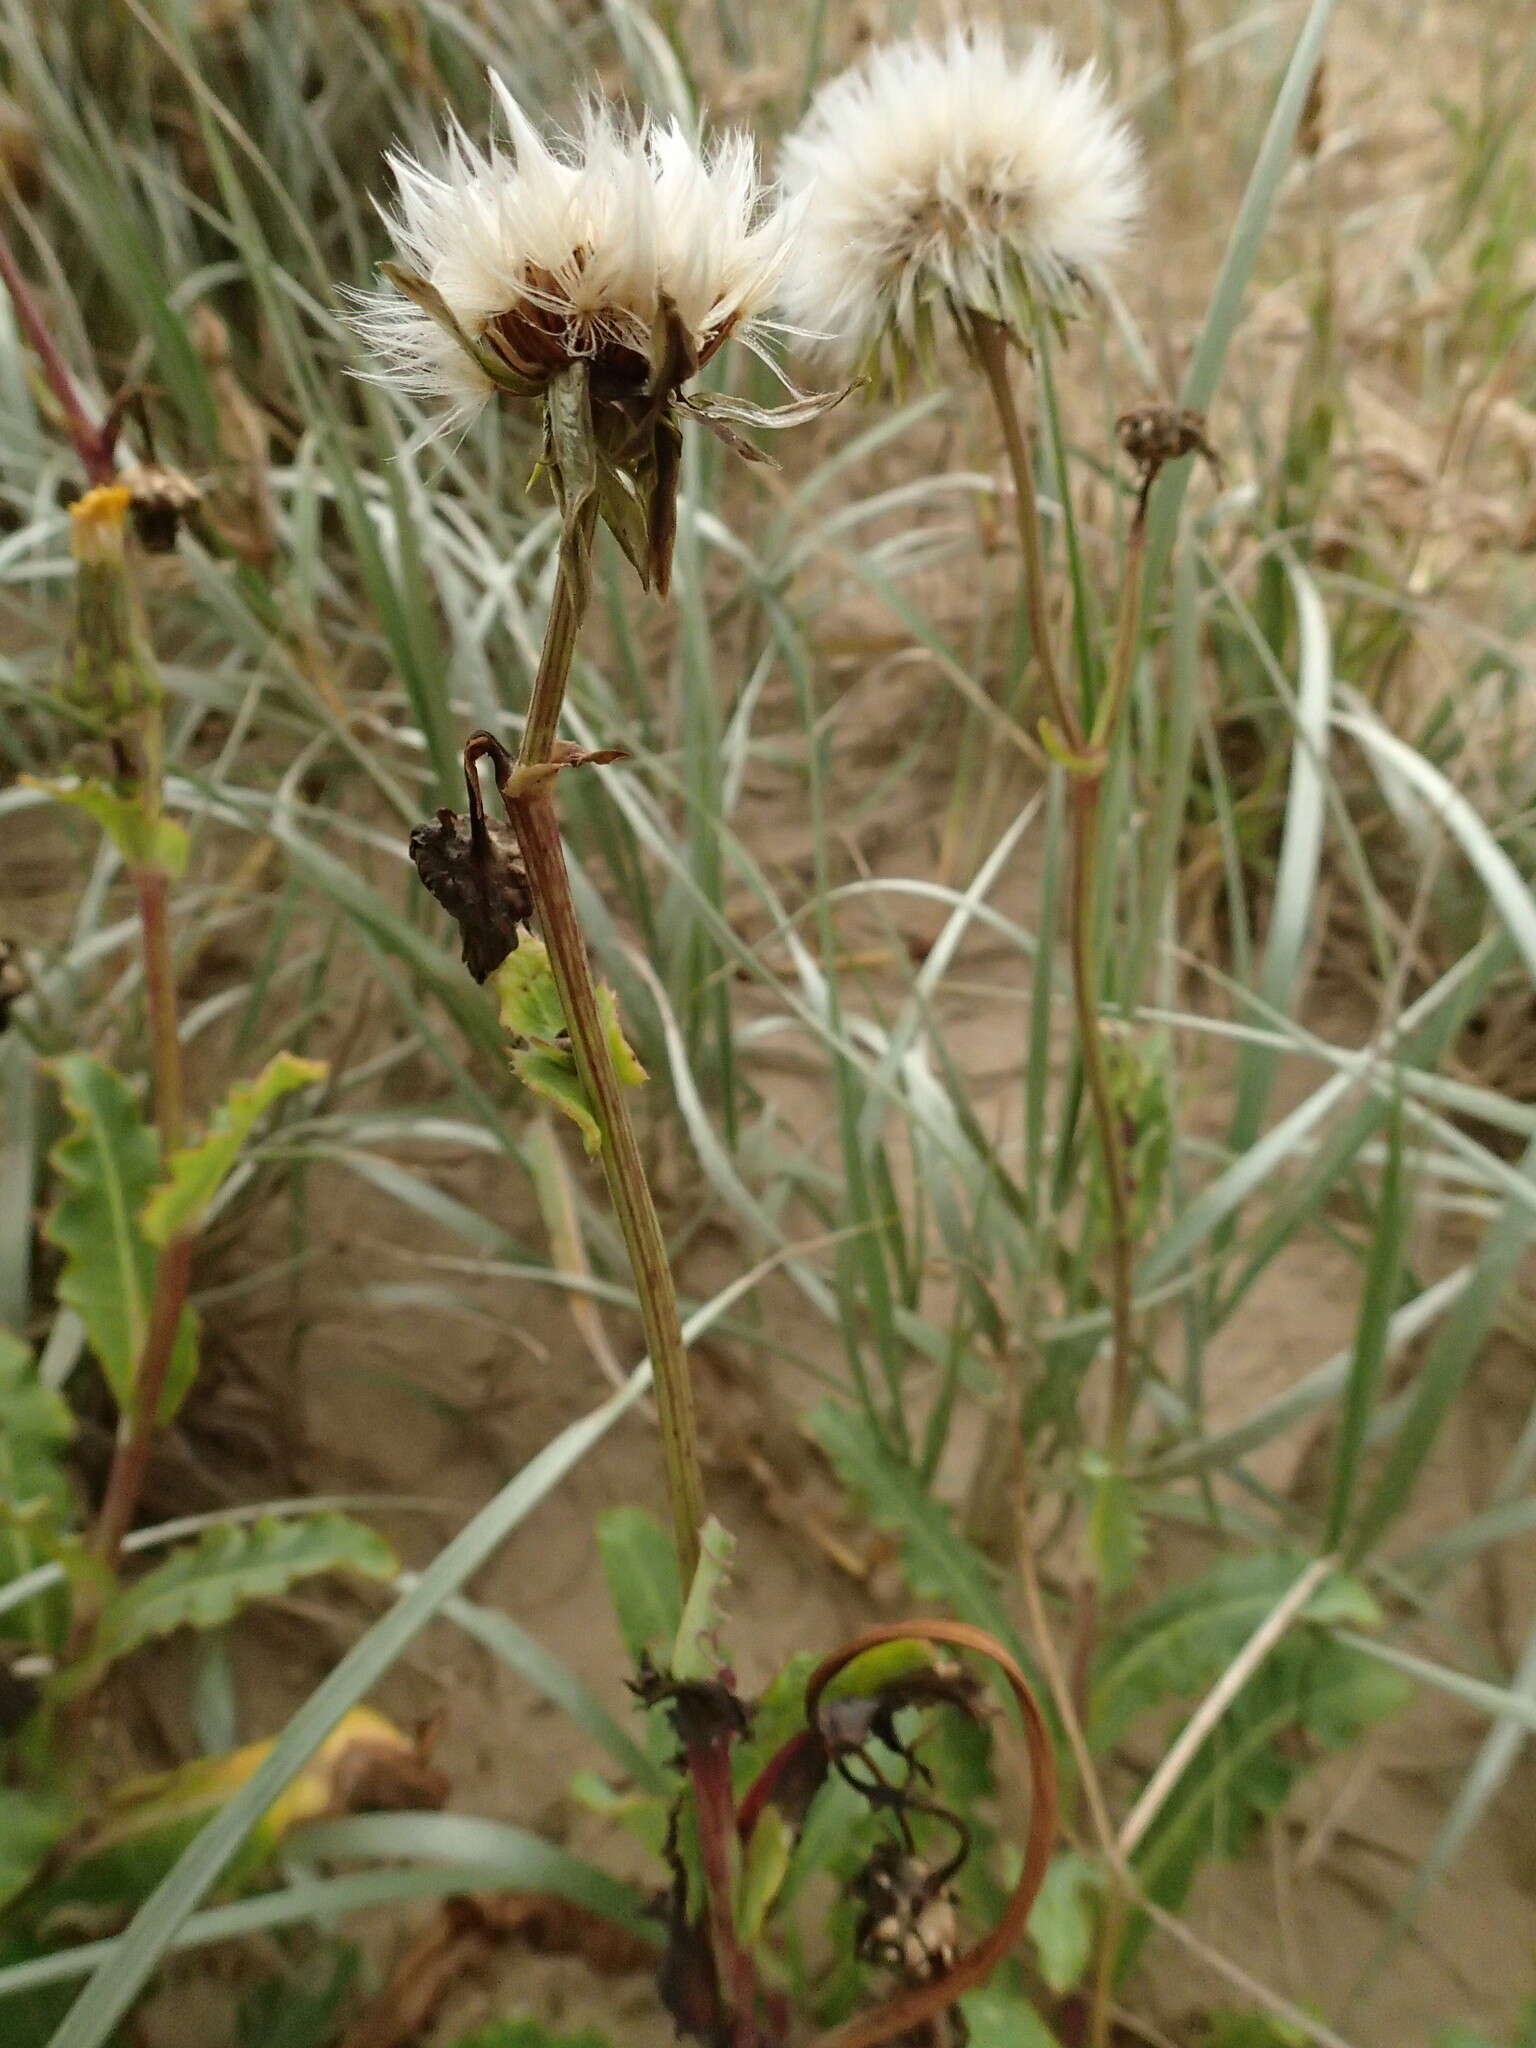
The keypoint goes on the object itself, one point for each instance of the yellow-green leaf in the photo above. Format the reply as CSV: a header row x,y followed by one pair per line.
x,y
30,1824
887,1664
527,997
108,1163
147,1821
764,1869
35,1425
556,1081
530,1009
142,840
197,1172
696,1654
620,1051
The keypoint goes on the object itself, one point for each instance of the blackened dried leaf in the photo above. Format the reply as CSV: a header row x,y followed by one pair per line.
x,y
688,1986
703,1711
484,890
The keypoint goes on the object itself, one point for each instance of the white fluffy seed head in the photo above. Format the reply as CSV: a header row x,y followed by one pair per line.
x,y
952,174
566,249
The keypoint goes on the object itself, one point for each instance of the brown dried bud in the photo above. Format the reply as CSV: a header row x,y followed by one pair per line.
x,y
159,499
479,880
1155,434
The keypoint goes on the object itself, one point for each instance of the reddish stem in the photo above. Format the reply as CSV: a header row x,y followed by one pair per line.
x,y
130,1457
709,1769
130,1462
92,443
766,1784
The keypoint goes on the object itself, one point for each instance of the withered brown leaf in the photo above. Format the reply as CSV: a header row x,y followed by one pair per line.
x,y
479,880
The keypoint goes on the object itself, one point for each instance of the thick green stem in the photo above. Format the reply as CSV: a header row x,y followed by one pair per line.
x,y
538,836
531,810
572,582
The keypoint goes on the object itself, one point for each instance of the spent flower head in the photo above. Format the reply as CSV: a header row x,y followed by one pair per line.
x,y
598,272
953,177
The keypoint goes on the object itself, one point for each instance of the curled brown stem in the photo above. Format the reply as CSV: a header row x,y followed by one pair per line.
x,y
910,2008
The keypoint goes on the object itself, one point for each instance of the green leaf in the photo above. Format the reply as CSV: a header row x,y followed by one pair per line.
x,y
143,841
1178,1646
938,1562
571,441
108,1162
198,1171
1378,1302
525,2034
206,1583
764,1869
30,1826
527,998
529,1004
886,1664
1312,1694
641,1569
997,2018
696,1653
287,2012
1253,2030
620,1051
553,1078
1064,1917
1450,1357
35,1425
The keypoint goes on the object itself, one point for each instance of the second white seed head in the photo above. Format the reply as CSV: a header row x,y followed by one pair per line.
x,y
952,176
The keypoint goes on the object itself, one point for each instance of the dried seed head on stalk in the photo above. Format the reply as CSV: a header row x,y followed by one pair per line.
x,y
952,177
568,251
598,272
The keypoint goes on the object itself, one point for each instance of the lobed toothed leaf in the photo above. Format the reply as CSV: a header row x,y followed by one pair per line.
x,y
108,1165
531,1011
35,1425
198,1171
206,1583
697,1652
